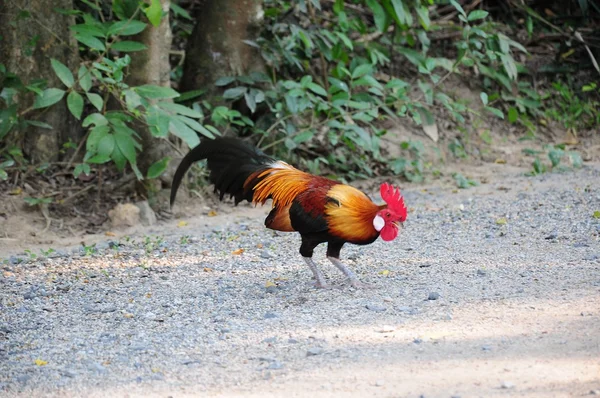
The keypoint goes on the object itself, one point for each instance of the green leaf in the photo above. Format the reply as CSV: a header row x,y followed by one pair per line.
x,y
188,95
82,168
181,130
63,73
128,46
401,13
125,9
37,123
576,160
75,104
555,156
88,29
158,121
458,8
596,214
234,93
90,41
154,12
119,159
379,14
463,182
304,136
96,134
345,39
423,14
96,100
96,119
126,145
315,88
495,111
361,70
156,92
538,166
126,28
158,168
484,98
224,81
50,96
250,101
477,14
509,66
180,109
180,12
513,114
98,159
106,145
85,78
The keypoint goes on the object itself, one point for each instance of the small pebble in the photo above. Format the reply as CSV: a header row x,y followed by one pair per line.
x,y
379,383
507,385
481,272
385,329
275,365
314,351
375,307
150,316
265,254
433,296
271,315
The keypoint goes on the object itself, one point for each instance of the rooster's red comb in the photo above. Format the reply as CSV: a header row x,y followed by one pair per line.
x,y
393,198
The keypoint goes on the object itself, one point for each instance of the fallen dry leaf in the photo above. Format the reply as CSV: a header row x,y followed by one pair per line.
x,y
40,362
570,138
212,213
385,272
260,245
500,161
108,233
270,284
128,315
501,221
16,191
237,252
182,223
207,269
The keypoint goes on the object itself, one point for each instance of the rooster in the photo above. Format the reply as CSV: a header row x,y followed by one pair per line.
x,y
320,209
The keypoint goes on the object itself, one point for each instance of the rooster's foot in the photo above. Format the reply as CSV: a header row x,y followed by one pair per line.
x,y
355,283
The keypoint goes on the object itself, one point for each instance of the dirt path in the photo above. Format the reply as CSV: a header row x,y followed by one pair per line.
x,y
491,291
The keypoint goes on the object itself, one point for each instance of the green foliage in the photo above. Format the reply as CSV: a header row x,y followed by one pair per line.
x,y
558,157
463,182
111,136
334,114
570,109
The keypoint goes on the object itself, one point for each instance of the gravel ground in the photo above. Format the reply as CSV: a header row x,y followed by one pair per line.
x,y
491,291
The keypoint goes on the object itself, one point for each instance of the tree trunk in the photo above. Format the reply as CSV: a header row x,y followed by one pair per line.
x,y
152,67
31,34
216,47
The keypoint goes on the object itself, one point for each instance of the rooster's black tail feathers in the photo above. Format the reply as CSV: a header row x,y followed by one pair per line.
x,y
230,161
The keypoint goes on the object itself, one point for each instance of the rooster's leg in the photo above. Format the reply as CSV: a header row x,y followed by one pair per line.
x,y
333,254
319,277
306,250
